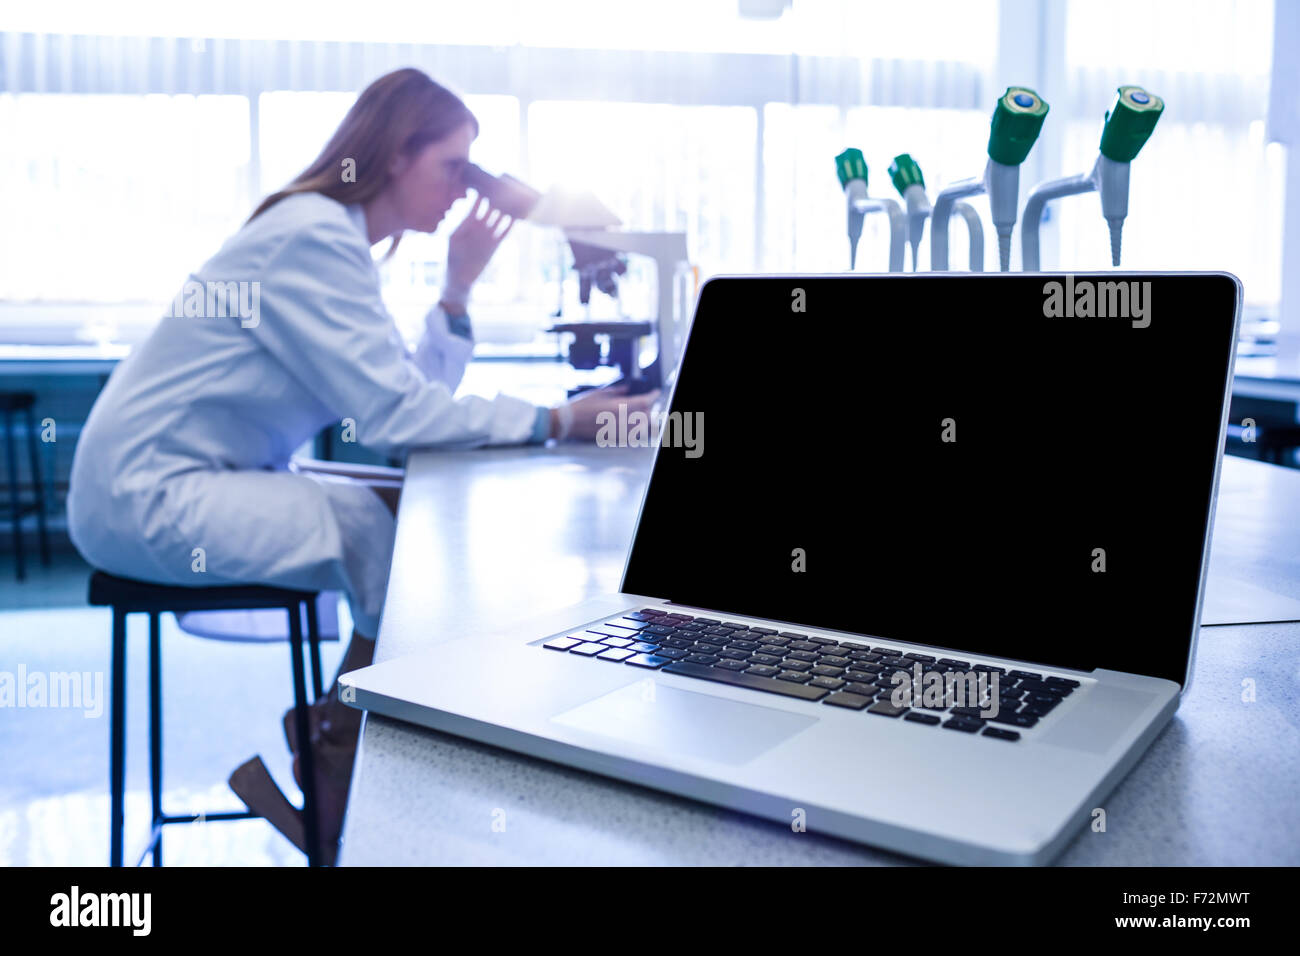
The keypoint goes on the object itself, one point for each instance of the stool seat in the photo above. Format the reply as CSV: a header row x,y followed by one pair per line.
x,y
16,401
109,590
127,596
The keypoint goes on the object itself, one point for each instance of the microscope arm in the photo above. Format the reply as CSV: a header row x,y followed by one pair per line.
x,y
943,209
897,226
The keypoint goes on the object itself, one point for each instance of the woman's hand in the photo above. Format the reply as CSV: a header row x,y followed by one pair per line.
x,y
470,248
583,414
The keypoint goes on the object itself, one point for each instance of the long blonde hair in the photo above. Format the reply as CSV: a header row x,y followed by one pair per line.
x,y
399,113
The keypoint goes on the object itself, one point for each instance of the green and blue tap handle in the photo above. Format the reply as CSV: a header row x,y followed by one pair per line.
x,y
1127,128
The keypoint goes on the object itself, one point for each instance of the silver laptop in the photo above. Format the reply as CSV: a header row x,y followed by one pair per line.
x,y
926,574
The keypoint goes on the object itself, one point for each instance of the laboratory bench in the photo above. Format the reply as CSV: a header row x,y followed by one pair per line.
x,y
488,539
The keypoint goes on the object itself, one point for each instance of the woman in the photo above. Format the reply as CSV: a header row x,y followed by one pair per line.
x,y
183,472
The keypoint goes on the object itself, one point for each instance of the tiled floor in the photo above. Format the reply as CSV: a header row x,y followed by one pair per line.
x,y
222,704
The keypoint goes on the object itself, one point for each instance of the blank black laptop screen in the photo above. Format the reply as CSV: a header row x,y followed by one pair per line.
x,y
1019,466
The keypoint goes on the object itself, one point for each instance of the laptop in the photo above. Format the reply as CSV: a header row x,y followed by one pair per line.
x,y
928,576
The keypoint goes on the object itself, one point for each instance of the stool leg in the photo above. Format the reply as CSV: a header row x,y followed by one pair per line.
x,y
311,824
117,741
16,515
155,731
43,538
313,643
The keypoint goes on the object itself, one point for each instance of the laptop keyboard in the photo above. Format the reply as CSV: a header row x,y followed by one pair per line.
x,y
847,674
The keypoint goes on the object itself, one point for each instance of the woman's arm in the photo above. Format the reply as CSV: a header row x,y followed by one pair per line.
x,y
324,319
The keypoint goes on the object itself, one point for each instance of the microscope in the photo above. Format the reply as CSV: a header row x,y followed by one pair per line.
x,y
600,259
600,250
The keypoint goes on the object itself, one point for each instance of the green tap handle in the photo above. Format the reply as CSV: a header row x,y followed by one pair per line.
x,y
1129,123
849,165
1016,121
905,172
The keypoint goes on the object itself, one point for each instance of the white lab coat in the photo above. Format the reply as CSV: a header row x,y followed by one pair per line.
x,y
180,471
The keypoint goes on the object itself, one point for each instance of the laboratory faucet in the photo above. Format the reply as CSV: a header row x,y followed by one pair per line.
x,y
1016,122
851,168
1126,129
906,176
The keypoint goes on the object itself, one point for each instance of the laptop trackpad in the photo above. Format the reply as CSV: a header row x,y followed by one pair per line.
x,y
649,714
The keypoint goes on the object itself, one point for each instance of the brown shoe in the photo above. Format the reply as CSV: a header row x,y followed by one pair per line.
x,y
253,784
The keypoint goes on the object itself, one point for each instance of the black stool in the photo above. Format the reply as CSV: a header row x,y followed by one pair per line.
x,y
126,596
11,402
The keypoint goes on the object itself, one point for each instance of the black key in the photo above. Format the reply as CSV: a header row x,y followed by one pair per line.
x,y
615,654
865,656
824,671
763,670
562,643
1027,675
739,627
830,683
733,665
590,649
826,641
886,709
676,642
746,680
801,656
793,636
857,687
948,661
834,660
886,652
1036,710
1063,682
701,659
702,647
1015,720
650,661
731,655
766,658
802,646
849,646
866,666
919,718
1001,734
672,653
657,611
762,630
676,616
796,665
964,724
923,658
707,620
657,629
971,712
989,668
745,645
775,641
1042,687
845,699
717,631
793,676
1048,700
642,616
692,627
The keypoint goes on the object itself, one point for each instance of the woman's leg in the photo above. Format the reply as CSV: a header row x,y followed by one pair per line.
x,y
383,481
